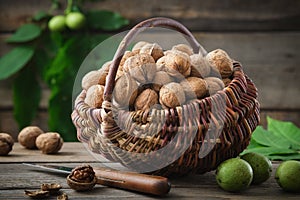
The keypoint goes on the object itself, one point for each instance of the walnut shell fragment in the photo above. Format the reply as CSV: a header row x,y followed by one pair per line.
x,y
53,188
36,193
6,143
49,143
171,95
28,135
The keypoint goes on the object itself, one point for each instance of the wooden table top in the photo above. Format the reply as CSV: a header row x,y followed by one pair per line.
x,y
16,177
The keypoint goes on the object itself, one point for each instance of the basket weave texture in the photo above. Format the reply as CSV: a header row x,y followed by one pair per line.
x,y
197,135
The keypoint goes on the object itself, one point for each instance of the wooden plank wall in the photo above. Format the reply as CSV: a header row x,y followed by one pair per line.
x,y
263,35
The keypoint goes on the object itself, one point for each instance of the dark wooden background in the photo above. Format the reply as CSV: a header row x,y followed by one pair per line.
x,y
263,35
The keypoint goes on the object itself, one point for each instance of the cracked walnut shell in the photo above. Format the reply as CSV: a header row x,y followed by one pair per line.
x,y
28,135
6,143
49,143
171,95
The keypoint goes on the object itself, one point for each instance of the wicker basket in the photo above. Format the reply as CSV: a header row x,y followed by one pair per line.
x,y
196,136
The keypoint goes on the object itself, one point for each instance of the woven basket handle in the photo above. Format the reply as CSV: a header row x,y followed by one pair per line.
x,y
153,22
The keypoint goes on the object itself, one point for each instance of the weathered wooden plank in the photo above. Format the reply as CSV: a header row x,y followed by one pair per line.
x,y
195,14
16,178
70,152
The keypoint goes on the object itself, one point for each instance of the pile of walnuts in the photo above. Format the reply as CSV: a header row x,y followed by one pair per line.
x,y
150,77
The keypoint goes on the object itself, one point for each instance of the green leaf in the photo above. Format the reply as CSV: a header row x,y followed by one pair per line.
x,y
279,142
40,15
295,156
25,33
271,151
286,131
14,60
60,109
26,96
105,20
267,138
61,75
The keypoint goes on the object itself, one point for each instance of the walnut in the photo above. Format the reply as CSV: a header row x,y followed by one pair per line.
x,y
103,73
6,143
161,78
119,74
94,96
137,47
141,67
221,61
28,135
154,50
177,64
49,143
194,87
161,64
184,48
200,66
214,84
126,55
146,99
125,91
91,78
171,95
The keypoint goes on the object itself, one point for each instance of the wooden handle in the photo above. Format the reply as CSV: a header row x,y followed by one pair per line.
x,y
153,22
150,184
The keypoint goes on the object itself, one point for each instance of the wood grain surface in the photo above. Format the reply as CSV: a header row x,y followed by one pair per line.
x,y
15,178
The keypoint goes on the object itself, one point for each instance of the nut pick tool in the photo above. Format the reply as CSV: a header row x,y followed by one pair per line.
x,y
150,184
